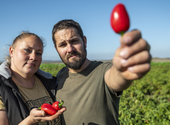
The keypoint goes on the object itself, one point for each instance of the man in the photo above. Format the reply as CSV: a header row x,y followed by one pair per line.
x,y
92,89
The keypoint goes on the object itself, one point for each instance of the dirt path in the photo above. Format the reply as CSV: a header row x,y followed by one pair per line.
x,y
161,60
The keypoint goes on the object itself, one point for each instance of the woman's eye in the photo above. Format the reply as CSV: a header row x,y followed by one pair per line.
x,y
27,50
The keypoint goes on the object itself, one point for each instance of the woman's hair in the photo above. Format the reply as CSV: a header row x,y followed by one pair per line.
x,y
23,35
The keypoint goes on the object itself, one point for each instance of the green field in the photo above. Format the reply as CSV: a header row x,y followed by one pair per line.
x,y
51,67
146,101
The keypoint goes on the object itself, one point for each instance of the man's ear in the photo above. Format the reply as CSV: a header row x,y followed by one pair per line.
x,y
85,41
11,50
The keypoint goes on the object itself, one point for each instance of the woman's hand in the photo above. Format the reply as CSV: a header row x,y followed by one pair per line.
x,y
37,115
3,118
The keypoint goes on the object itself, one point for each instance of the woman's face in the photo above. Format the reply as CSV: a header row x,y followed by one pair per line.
x,y
26,55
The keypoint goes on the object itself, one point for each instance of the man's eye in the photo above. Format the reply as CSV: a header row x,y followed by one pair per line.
x,y
75,41
39,54
62,45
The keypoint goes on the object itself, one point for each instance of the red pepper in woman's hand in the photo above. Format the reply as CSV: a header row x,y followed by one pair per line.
x,y
58,105
48,109
52,109
119,20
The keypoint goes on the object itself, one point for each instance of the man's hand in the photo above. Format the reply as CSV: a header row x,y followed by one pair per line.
x,y
131,61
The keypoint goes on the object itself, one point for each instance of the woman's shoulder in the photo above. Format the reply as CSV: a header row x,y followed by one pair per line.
x,y
5,70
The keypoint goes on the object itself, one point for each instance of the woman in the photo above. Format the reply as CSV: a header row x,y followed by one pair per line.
x,y
24,88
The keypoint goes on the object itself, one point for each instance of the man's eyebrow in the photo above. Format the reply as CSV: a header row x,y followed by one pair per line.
x,y
75,38
61,43
40,50
71,39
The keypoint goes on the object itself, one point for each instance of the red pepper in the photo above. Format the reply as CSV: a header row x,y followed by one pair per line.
x,y
119,20
48,109
58,105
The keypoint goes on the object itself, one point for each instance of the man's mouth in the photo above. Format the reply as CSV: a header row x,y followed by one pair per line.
x,y
72,55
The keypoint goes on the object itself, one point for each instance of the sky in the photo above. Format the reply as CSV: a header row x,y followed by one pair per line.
x,y
151,17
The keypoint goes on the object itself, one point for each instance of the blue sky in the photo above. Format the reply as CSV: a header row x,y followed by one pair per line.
x,y
152,17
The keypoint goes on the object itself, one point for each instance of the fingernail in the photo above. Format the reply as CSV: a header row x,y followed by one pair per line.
x,y
123,53
130,69
123,61
126,39
43,113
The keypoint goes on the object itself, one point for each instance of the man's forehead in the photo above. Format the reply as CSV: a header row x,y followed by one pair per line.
x,y
67,34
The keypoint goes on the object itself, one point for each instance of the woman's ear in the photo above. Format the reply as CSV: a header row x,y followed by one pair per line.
x,y
11,50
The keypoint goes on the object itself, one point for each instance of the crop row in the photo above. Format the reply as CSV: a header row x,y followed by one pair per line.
x,y
146,101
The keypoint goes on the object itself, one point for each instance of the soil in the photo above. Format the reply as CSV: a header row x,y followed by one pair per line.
x,y
161,60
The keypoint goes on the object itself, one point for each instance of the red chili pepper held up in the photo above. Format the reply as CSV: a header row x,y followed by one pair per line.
x,y
48,109
119,20
58,105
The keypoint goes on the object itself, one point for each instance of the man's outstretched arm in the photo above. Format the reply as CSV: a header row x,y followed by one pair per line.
x,y
131,61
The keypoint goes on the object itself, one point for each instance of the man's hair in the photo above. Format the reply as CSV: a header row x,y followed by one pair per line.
x,y
66,24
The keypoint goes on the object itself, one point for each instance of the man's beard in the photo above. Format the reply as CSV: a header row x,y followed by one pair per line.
x,y
76,64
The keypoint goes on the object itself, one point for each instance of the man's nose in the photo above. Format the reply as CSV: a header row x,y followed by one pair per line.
x,y
70,48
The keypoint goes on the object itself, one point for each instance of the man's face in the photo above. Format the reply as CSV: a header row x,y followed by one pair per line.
x,y
71,48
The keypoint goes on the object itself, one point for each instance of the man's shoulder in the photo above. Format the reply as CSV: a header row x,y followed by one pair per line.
x,y
101,63
62,71
97,66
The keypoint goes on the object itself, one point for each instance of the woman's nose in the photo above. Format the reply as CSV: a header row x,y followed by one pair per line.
x,y
33,56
